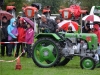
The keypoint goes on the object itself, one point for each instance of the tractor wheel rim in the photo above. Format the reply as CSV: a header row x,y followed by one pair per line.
x,y
43,53
87,64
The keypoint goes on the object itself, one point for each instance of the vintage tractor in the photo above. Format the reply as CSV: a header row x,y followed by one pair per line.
x,y
57,49
32,12
74,12
46,11
11,9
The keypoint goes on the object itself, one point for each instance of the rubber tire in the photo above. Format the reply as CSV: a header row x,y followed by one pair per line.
x,y
66,59
84,58
58,48
64,62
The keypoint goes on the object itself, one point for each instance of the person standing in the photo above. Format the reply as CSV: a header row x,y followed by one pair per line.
x,y
21,36
12,35
3,27
97,32
1,35
29,39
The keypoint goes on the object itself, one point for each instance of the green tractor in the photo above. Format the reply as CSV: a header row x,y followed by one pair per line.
x,y
57,49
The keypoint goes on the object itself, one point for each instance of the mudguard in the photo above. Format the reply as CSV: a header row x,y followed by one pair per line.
x,y
50,35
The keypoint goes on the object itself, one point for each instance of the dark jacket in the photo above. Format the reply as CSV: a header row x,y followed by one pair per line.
x,y
4,30
51,25
1,35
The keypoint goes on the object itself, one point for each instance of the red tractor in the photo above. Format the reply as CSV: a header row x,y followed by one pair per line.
x,y
11,9
46,11
74,12
31,11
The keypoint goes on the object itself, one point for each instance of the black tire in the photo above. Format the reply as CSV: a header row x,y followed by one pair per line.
x,y
64,61
56,52
87,63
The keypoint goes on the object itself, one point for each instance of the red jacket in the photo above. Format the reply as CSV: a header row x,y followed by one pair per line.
x,y
21,34
97,32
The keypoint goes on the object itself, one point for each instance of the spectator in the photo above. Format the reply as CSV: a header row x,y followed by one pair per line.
x,y
97,32
58,19
70,30
29,39
21,37
1,35
4,47
86,28
12,35
48,25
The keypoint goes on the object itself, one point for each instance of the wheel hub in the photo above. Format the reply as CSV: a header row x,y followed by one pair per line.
x,y
46,53
88,63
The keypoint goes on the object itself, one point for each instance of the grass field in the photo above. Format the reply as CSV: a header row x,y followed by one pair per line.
x,y
29,68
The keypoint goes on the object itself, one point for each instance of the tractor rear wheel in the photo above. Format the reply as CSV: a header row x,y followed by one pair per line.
x,y
64,61
46,52
87,63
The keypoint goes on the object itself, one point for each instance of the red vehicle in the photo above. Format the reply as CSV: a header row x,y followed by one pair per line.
x,y
11,9
31,11
73,12
46,11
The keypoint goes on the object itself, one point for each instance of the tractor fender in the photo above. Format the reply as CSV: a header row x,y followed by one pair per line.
x,y
49,35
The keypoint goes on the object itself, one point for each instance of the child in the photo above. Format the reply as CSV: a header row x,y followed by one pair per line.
x,y
29,39
21,36
12,35
70,30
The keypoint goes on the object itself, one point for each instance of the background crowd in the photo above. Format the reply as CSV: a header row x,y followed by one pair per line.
x,y
16,31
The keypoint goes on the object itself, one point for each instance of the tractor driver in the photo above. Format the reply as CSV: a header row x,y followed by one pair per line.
x,y
48,25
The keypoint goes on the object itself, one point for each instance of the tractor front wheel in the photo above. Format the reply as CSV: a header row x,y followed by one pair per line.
x,y
87,63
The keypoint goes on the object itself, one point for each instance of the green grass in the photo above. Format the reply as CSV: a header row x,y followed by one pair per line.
x,y
29,68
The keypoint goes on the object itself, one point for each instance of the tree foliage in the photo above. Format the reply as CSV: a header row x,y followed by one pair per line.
x,y
53,3
18,4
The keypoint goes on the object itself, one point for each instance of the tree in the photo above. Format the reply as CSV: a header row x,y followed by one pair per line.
x,y
18,4
53,3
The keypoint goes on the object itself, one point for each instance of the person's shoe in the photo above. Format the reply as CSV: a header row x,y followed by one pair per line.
x,y
29,56
2,55
9,55
16,55
23,55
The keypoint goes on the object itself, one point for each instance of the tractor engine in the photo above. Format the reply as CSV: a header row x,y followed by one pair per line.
x,y
79,44
74,47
